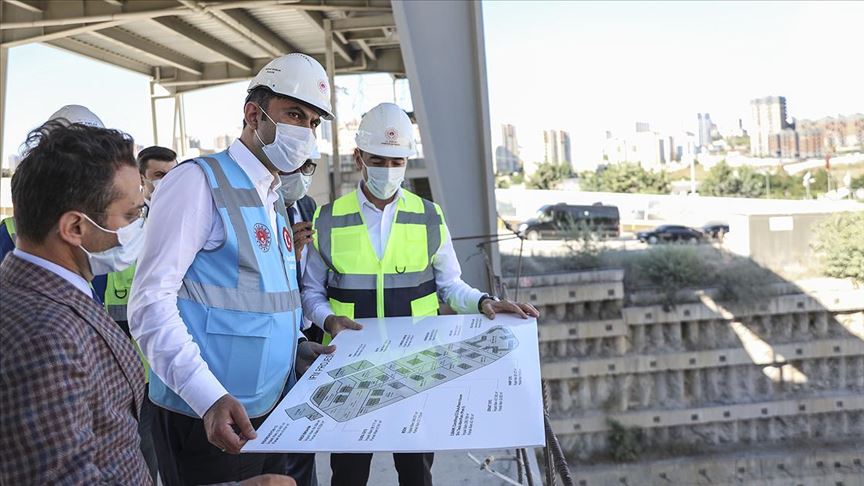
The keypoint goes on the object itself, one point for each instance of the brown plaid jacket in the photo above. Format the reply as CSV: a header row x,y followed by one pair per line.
x,y
71,385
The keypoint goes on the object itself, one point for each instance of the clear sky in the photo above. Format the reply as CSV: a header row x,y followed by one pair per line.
x,y
588,67
580,66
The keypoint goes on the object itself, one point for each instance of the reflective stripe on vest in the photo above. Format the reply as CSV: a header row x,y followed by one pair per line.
x,y
241,301
402,283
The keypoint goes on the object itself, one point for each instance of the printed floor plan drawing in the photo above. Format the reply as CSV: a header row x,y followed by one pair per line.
x,y
415,384
361,387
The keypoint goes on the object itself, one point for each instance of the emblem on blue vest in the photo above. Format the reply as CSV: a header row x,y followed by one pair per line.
x,y
262,236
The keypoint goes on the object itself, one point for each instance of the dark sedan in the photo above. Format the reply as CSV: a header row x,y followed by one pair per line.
x,y
668,233
715,231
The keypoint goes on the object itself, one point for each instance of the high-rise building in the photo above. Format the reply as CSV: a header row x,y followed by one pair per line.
x,y
507,159
707,130
769,120
810,142
557,147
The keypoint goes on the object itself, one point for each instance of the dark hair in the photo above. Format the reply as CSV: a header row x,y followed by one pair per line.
x,y
67,168
261,96
155,152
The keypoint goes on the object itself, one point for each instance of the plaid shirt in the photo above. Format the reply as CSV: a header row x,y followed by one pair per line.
x,y
71,385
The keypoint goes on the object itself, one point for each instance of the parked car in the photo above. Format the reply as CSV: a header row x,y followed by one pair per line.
x,y
715,231
560,220
669,233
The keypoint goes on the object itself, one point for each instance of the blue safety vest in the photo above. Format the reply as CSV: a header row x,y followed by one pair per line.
x,y
241,301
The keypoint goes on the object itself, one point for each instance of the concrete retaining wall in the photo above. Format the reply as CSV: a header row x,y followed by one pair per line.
x,y
704,374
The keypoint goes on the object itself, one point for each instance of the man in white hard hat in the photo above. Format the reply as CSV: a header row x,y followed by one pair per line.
x,y
386,234
215,303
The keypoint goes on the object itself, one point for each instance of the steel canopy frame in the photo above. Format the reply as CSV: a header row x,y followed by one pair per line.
x,y
116,32
447,76
441,43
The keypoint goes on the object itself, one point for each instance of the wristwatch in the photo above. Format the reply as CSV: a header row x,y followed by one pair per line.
x,y
485,298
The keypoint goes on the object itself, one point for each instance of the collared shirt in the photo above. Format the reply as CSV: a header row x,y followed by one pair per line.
x,y
448,273
78,281
184,220
301,264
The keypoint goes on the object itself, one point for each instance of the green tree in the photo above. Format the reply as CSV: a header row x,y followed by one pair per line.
x,y
752,183
720,181
625,177
840,244
548,176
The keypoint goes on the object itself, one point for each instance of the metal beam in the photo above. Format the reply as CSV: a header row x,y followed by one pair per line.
x,y
226,21
93,52
256,31
367,35
366,50
330,65
91,19
150,49
389,61
25,5
364,23
453,143
228,53
304,5
317,19
65,33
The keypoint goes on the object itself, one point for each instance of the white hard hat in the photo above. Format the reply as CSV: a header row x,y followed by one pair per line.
x,y
298,76
77,114
386,131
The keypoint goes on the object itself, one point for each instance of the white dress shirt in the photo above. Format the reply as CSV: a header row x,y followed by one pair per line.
x,y
73,278
184,220
301,264
448,273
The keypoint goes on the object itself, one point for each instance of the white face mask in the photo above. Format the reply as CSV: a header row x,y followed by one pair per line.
x,y
122,256
291,147
383,182
155,184
294,187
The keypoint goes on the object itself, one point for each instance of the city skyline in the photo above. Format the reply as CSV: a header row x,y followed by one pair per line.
x,y
783,135
580,67
589,67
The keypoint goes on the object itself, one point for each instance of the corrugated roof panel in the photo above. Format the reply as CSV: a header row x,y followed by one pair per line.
x,y
114,48
173,40
292,26
229,36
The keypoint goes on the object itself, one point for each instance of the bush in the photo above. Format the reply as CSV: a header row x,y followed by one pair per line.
x,y
625,443
669,268
722,180
548,176
582,241
840,245
625,177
